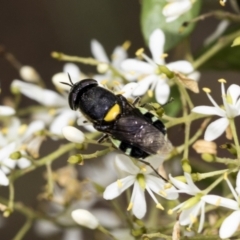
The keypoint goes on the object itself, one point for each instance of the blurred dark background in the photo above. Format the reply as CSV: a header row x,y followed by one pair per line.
x,y
31,30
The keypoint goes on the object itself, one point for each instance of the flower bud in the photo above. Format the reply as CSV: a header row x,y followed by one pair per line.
x,y
72,134
76,159
186,166
29,74
85,218
208,157
15,155
202,146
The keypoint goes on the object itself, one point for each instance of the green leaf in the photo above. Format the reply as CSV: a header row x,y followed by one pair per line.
x,y
152,18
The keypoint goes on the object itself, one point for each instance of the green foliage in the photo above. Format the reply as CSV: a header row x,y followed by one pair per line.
x,y
152,18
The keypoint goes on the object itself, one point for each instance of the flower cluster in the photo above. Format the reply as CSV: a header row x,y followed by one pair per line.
x,y
137,187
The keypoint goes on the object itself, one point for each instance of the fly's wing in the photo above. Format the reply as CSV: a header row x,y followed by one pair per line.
x,y
138,132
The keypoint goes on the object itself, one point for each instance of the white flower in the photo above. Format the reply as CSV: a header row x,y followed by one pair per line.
x,y
118,55
29,74
85,218
232,222
6,111
22,138
60,117
175,8
193,206
73,134
231,110
74,73
141,180
148,72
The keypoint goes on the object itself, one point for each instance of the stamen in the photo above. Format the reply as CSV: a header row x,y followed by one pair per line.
x,y
222,2
218,202
162,192
222,80
139,52
159,206
119,183
52,111
22,129
126,45
71,122
150,93
170,212
167,185
193,219
225,176
103,82
4,130
164,55
143,169
130,206
206,90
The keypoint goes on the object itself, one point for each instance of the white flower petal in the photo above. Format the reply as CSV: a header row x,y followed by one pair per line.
x,y
202,217
180,185
33,127
73,134
157,185
23,163
65,118
85,218
139,203
29,74
43,96
162,92
73,234
216,129
144,85
234,92
125,164
3,179
220,201
136,66
156,45
181,66
7,150
238,183
73,70
114,190
155,161
191,184
98,51
45,228
208,110
230,225
59,78
8,164
220,29
128,89
194,75
176,8
6,111
186,216
119,54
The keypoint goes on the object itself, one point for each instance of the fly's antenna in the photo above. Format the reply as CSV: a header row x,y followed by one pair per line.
x,y
68,84
70,79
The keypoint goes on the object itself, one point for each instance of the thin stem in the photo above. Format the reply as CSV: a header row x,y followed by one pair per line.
x,y
213,185
106,232
96,154
11,196
222,42
43,161
201,176
23,230
50,180
235,137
